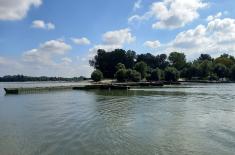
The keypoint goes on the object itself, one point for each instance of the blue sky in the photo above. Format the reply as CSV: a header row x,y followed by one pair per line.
x,y
57,38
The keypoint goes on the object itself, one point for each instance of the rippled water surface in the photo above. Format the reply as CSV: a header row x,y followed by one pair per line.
x,y
188,119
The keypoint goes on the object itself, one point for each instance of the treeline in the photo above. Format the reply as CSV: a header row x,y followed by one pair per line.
x,y
22,78
129,66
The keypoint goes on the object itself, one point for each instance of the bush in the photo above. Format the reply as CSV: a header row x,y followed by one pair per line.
x,y
96,75
156,75
135,76
171,74
120,66
221,70
141,67
129,74
213,77
232,73
121,75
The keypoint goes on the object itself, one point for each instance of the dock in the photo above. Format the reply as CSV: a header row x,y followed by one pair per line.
x,y
25,90
103,86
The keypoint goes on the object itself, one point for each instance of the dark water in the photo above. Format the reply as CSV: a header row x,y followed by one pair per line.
x,y
188,119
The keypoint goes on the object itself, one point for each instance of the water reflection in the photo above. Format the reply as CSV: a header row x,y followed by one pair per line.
x,y
185,120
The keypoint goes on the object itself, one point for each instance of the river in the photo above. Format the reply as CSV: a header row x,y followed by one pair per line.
x,y
192,119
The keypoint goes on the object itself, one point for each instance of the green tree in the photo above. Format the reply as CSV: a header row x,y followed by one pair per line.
x,y
148,58
141,67
191,70
161,61
220,70
177,60
232,73
213,76
205,68
135,76
129,74
225,60
106,61
204,57
156,74
121,75
96,75
120,66
171,74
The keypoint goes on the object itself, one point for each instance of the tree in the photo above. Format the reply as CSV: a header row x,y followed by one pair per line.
x,y
205,57
130,59
171,74
120,66
141,67
212,77
220,70
156,74
107,61
96,75
177,60
121,75
135,76
225,60
232,73
148,58
161,61
205,68
191,70
129,73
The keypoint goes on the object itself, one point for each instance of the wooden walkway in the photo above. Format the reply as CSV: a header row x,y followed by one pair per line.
x,y
25,90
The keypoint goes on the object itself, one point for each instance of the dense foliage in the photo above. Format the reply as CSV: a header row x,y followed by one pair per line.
x,y
96,75
156,75
171,74
23,78
124,65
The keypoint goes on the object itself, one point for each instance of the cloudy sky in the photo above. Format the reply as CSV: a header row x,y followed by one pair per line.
x,y
57,38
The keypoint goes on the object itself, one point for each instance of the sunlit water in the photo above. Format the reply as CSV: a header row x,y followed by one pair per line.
x,y
188,119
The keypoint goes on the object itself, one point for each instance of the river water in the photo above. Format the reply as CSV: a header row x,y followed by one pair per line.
x,y
197,119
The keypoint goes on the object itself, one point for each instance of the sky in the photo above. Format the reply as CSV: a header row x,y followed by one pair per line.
x,y
58,38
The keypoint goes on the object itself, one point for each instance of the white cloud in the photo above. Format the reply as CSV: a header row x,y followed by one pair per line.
x,y
118,37
48,59
44,54
217,37
66,60
152,44
171,14
137,18
81,41
40,24
113,40
211,17
137,5
16,9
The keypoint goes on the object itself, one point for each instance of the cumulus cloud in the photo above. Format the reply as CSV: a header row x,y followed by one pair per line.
x,y
171,14
113,40
213,17
16,9
217,37
118,37
152,44
81,41
44,54
40,24
66,60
